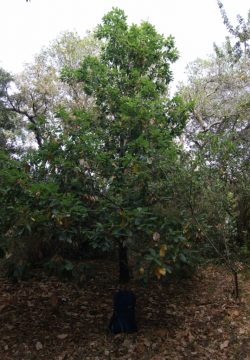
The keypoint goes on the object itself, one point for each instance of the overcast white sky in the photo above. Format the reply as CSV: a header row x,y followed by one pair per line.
x,y
25,27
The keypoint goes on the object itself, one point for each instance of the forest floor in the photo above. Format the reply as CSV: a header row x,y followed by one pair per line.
x,y
198,318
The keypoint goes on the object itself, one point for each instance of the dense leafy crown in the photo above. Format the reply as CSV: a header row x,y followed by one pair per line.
x,y
130,79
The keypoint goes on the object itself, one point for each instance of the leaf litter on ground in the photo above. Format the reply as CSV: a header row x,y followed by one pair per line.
x,y
196,318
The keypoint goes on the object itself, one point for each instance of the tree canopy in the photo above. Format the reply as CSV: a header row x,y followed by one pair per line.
x,y
112,164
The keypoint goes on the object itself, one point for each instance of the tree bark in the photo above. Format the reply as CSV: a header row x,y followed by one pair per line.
x,y
243,223
124,273
236,284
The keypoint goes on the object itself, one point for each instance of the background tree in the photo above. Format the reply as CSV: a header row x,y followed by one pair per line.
x,y
38,93
240,33
218,135
8,120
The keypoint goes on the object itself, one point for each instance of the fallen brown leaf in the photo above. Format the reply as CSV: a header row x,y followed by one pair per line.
x,y
224,344
39,346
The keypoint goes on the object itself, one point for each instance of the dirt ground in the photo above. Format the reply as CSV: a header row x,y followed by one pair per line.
x,y
198,318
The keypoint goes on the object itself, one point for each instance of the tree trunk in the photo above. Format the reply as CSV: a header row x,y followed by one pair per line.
x,y
124,273
236,284
243,223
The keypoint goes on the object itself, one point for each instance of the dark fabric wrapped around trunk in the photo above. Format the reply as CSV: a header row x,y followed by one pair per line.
x,y
123,318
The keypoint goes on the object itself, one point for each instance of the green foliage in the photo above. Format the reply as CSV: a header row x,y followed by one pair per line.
x,y
67,270
132,129
104,176
38,93
7,119
216,195
171,253
218,137
18,270
240,33
38,215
